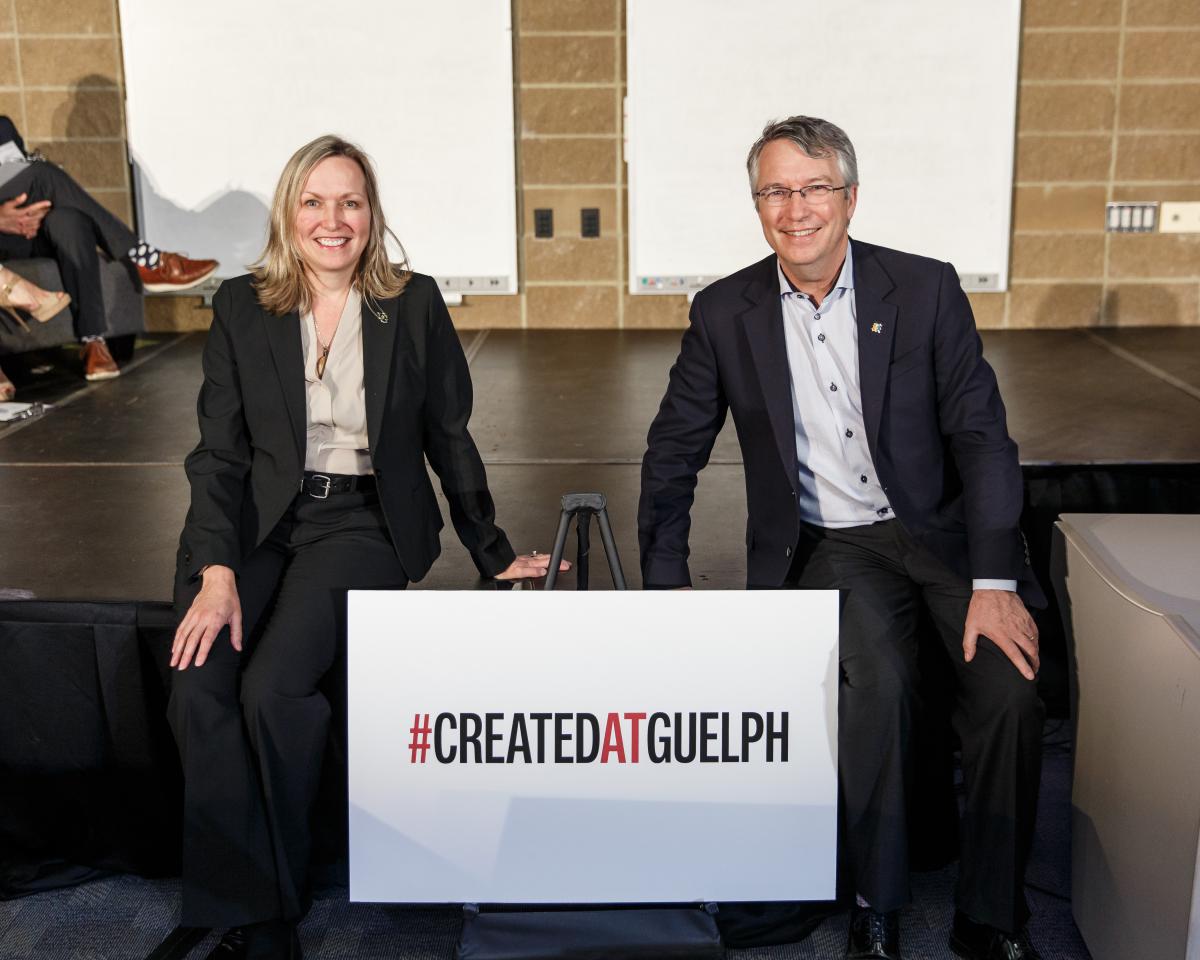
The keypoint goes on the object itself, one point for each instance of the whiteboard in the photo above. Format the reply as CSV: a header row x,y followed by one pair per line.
x,y
927,93
219,96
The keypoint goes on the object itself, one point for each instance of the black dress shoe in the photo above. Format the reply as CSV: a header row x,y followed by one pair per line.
x,y
873,935
978,941
270,940
231,946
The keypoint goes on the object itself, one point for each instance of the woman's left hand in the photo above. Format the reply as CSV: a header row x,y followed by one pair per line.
x,y
531,565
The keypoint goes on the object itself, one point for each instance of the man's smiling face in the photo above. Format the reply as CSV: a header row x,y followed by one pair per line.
x,y
810,238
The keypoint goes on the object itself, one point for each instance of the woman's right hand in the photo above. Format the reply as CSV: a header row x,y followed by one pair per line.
x,y
215,606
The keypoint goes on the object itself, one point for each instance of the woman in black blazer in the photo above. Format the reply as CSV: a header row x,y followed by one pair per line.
x,y
329,375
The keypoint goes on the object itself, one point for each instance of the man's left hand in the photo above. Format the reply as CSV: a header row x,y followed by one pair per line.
x,y
1000,616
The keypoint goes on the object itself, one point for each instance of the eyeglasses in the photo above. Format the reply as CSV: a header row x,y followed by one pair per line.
x,y
815,193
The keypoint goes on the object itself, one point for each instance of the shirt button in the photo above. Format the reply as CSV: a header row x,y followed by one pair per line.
x,y
817,316
821,337
787,551
849,433
863,477
833,387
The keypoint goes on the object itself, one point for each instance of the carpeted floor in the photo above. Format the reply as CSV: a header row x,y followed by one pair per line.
x,y
125,917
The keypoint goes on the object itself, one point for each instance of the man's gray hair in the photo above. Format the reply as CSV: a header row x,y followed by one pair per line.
x,y
817,138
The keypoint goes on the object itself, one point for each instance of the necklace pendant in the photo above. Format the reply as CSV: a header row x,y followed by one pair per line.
x,y
321,366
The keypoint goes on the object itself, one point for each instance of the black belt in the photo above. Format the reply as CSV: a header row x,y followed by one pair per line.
x,y
321,485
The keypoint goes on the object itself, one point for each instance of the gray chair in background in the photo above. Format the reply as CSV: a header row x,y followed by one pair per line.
x,y
123,307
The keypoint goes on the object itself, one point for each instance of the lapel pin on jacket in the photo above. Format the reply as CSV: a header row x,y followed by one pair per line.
x,y
877,328
373,306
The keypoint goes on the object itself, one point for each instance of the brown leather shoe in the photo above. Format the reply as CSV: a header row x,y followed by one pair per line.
x,y
98,363
174,272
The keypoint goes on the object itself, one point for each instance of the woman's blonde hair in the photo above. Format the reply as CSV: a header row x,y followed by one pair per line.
x,y
279,274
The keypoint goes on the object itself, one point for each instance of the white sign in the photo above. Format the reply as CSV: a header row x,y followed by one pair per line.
x,y
607,747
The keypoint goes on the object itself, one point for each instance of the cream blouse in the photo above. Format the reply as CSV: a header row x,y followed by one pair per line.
x,y
336,403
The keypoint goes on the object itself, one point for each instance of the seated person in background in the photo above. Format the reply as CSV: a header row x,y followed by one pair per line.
x,y
17,296
45,213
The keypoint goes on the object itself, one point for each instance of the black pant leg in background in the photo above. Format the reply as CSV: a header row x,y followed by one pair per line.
x,y
72,229
252,732
885,574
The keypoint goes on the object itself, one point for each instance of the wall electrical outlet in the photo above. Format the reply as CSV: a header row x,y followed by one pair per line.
x,y
1179,218
1131,217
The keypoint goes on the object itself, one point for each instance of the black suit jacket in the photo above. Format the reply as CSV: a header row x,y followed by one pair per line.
x,y
247,467
935,422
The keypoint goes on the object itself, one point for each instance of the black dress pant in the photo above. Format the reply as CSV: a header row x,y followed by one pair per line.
x,y
252,727
886,577
73,227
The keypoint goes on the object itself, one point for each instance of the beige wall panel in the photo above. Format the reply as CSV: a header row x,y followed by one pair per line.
x,y
1065,108
63,114
1156,53
1069,55
66,16
1041,157
988,309
9,76
1070,256
172,314
1071,13
95,164
1153,305
655,312
568,110
116,201
567,205
571,259
11,106
1071,216
568,161
1158,157
1154,255
567,15
1161,106
568,60
53,62
1163,13
1078,209
1052,305
1128,191
479,313
571,307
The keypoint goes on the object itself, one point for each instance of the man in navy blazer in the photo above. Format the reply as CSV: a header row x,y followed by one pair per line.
x,y
877,462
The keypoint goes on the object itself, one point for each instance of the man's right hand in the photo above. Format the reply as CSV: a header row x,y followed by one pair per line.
x,y
215,606
22,221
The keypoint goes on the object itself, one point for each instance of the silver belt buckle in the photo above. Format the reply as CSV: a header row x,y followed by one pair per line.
x,y
324,494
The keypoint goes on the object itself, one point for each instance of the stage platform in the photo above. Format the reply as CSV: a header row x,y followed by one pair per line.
x,y
92,496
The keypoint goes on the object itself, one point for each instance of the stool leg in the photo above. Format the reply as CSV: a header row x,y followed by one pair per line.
x,y
560,541
610,550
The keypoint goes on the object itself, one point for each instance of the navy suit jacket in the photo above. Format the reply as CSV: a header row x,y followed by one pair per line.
x,y
935,423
